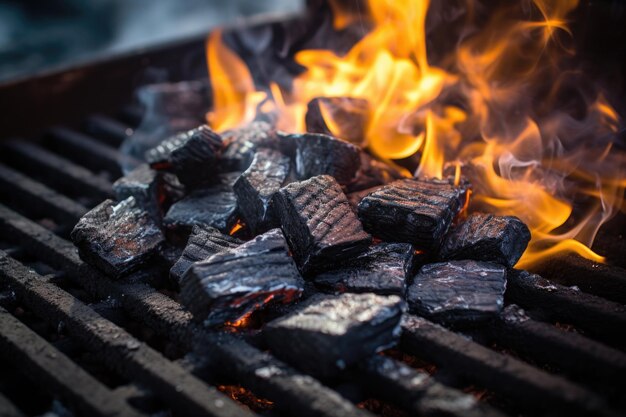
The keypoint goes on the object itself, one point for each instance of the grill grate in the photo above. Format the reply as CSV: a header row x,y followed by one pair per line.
x,y
526,364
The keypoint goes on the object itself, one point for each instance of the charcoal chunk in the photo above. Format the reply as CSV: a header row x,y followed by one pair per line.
x,y
373,173
348,117
203,243
324,155
117,238
255,188
322,229
485,237
214,206
243,142
412,211
144,185
458,291
328,334
230,285
191,155
382,270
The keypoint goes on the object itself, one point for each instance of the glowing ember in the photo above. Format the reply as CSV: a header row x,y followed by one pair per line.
x,y
506,129
246,397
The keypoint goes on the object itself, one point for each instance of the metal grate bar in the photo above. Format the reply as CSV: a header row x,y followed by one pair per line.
x,y
600,318
47,366
34,194
531,387
54,170
115,347
108,130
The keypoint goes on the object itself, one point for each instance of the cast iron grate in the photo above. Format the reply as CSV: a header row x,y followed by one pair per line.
x,y
79,341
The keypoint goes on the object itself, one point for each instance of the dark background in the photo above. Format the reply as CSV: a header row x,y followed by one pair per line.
x,y
42,34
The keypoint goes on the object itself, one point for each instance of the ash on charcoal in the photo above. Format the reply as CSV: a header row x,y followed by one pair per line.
x,y
324,155
412,211
373,173
348,117
255,188
383,269
191,155
458,291
230,285
117,238
144,185
203,243
214,206
322,229
243,142
328,334
485,237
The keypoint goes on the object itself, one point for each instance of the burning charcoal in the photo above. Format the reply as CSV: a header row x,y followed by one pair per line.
x,y
231,285
327,334
243,142
418,212
348,117
485,237
203,243
257,185
143,184
458,291
381,270
117,238
373,173
214,206
191,155
324,155
319,223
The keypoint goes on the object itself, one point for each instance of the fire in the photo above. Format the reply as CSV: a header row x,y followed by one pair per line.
x,y
491,110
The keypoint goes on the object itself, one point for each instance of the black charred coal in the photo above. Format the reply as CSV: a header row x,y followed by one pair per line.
x,y
485,237
383,269
349,117
144,185
255,188
117,238
373,173
324,155
355,197
191,155
203,243
214,206
458,291
322,229
243,142
412,211
329,333
230,285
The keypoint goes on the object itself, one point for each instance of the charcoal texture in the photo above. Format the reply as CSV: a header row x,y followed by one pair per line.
x,y
372,173
485,237
203,243
243,142
144,185
458,291
191,155
329,333
348,117
322,229
117,238
255,188
383,269
324,155
214,206
412,211
230,285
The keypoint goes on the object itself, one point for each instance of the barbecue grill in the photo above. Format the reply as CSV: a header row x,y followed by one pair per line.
x,y
75,342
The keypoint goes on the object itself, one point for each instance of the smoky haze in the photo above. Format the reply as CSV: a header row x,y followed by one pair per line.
x,y
37,35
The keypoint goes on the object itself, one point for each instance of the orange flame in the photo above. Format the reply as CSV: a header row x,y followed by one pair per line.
x,y
524,159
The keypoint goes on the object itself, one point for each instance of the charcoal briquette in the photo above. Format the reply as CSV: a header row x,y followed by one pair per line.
x,y
412,211
230,285
143,183
348,117
382,269
329,333
255,188
458,291
242,143
372,173
203,243
485,237
319,223
318,154
117,238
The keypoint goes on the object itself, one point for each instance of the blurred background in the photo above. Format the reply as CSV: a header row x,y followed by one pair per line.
x,y
37,35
